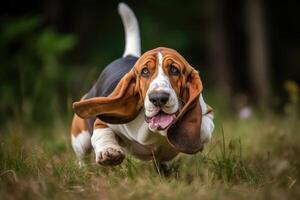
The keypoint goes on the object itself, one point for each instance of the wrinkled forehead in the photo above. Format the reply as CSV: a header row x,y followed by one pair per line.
x,y
160,53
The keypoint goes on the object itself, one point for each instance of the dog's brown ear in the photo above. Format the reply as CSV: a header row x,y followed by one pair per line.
x,y
184,135
121,106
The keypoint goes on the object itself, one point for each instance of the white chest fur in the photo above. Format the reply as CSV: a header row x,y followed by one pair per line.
x,y
139,140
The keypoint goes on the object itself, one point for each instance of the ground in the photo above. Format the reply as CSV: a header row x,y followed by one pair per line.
x,y
255,158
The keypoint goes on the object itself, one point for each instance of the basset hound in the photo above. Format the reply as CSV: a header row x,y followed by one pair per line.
x,y
150,106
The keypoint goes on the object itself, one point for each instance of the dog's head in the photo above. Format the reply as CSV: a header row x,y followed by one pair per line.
x,y
167,87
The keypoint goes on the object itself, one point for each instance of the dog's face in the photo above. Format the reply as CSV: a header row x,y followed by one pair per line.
x,y
166,86
162,74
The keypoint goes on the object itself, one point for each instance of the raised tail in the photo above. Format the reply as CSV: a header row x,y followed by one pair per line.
x,y
132,32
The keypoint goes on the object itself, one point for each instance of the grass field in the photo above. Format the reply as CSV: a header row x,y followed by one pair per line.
x,y
257,158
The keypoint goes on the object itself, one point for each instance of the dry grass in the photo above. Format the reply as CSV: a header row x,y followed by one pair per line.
x,y
256,158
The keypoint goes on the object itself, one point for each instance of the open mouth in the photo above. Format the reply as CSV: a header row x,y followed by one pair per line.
x,y
161,120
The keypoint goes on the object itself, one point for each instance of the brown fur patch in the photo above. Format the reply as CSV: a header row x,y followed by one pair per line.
x,y
78,125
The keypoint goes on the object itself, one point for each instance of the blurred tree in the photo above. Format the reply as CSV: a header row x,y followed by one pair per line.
x,y
218,58
34,80
258,57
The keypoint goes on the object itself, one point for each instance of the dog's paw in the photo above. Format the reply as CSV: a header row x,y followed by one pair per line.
x,y
110,156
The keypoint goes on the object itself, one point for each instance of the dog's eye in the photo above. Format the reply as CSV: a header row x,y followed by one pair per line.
x,y
145,72
174,70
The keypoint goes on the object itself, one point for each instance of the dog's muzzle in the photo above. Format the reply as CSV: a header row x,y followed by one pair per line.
x,y
161,120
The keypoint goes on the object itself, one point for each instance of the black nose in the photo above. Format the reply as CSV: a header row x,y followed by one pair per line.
x,y
159,98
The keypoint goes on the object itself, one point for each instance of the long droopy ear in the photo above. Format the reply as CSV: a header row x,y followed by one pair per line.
x,y
184,134
121,106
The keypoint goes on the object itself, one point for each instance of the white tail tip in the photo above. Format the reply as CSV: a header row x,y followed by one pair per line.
x,y
132,33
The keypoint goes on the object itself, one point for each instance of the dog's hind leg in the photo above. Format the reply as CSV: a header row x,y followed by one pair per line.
x,y
81,139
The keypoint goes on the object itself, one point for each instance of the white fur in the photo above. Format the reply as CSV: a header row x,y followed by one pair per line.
x,y
207,125
202,104
136,130
132,33
160,64
103,139
139,140
207,128
161,83
81,145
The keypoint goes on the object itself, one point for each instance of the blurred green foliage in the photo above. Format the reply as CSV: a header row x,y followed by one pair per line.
x,y
32,77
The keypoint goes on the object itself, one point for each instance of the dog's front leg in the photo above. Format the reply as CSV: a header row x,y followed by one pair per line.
x,y
107,149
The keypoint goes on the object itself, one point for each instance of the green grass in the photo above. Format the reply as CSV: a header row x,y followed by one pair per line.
x,y
256,158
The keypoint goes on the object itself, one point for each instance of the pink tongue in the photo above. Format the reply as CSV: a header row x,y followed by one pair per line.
x,y
162,120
